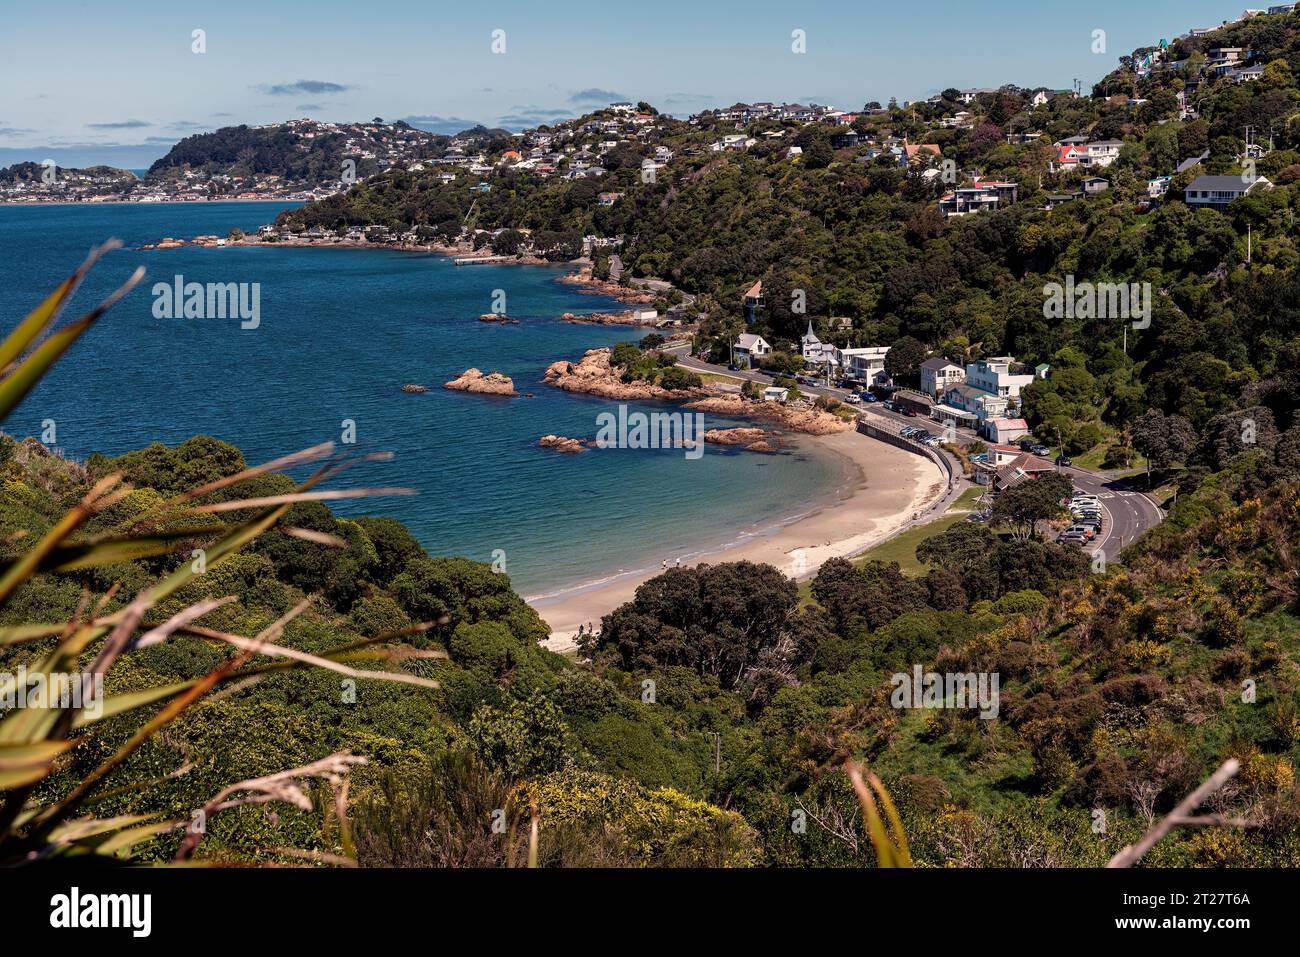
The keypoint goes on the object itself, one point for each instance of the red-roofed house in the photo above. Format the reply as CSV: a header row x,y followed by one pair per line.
x,y
1069,157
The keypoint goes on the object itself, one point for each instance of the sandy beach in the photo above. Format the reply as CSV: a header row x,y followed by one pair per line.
x,y
892,488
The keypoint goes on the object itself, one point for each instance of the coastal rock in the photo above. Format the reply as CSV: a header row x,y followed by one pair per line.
x,y
795,418
583,277
415,388
750,439
593,375
601,318
497,317
562,444
472,380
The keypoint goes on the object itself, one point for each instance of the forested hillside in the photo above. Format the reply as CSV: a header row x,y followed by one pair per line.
x,y
297,151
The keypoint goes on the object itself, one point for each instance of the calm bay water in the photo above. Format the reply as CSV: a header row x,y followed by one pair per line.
x,y
341,331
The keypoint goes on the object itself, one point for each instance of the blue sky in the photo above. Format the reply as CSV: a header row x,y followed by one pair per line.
x,y
95,81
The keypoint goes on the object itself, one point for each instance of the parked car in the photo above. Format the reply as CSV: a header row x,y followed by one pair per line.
x,y
1026,444
1085,530
1040,450
852,399
866,396
1063,461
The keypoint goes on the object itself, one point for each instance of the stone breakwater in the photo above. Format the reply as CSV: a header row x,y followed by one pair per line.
x,y
472,380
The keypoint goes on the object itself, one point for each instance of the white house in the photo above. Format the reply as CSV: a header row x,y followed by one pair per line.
x,y
749,348
1216,192
937,375
995,377
775,393
1103,152
816,352
867,364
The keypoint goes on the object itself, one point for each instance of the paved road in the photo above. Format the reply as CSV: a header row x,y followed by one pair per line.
x,y
1128,511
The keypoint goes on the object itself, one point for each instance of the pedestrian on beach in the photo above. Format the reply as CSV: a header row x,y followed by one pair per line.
x,y
665,564
579,631
679,563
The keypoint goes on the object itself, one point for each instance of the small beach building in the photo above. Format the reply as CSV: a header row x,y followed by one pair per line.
x,y
775,393
1005,430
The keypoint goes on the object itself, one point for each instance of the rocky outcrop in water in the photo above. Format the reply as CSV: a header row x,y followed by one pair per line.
x,y
472,380
563,444
750,439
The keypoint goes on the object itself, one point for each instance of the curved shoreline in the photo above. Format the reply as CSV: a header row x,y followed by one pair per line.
x,y
888,489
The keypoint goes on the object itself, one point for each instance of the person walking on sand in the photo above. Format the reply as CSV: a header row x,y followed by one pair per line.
x,y
679,563
665,564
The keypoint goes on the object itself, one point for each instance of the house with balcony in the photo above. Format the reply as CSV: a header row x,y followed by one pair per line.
x,y
865,364
997,377
1218,192
939,375
981,197
1102,153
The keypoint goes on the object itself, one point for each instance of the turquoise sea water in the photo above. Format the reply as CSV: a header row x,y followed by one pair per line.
x,y
341,330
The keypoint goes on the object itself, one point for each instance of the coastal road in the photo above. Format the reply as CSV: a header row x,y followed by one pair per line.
x,y
1130,512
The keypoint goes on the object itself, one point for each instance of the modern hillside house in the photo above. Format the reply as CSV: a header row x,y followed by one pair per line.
x,y
981,197
1216,192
